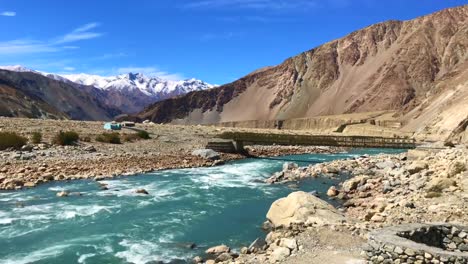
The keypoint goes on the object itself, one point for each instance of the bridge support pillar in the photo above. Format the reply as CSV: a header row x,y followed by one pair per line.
x,y
239,147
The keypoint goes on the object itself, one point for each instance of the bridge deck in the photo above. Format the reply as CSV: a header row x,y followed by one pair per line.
x,y
318,140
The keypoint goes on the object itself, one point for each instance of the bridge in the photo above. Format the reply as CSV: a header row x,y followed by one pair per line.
x,y
240,139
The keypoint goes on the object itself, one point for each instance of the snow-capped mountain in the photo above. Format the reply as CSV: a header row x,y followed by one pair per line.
x,y
17,68
130,92
151,86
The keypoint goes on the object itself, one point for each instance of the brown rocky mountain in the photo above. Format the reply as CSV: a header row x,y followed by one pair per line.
x,y
418,68
32,95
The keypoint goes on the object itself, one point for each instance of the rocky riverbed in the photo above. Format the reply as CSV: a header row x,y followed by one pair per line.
x,y
44,163
169,147
420,186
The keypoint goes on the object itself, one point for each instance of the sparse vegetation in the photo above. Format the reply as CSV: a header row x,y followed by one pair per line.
x,y
11,140
143,134
66,138
111,138
130,137
36,137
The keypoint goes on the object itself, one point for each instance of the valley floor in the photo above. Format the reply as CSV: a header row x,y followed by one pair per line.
x,y
169,147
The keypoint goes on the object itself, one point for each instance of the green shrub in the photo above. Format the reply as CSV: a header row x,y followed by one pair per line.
x,y
143,134
112,138
36,137
66,138
11,140
131,137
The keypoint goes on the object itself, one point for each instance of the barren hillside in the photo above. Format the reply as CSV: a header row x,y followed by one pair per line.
x,y
416,67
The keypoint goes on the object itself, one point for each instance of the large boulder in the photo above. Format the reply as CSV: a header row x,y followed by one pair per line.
x,y
301,208
353,183
206,154
218,250
416,167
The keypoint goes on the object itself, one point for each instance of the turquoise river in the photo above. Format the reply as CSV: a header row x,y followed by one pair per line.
x,y
206,206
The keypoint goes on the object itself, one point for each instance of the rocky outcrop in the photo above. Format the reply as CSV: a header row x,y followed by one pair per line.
x,y
416,68
302,208
32,95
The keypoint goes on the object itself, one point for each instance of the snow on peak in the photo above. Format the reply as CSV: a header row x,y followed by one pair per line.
x,y
16,68
128,83
151,86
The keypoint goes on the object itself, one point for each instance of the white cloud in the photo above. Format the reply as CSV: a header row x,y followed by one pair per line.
x,y
151,71
253,4
28,46
8,14
25,47
81,33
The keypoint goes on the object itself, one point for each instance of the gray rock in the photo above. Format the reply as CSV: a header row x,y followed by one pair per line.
x,y
258,244
416,167
206,154
385,165
290,166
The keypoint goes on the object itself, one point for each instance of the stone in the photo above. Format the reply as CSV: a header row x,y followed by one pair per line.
x,y
416,167
197,259
440,184
62,194
385,165
463,247
210,261
141,191
290,166
206,154
218,250
456,168
353,183
29,184
290,243
398,250
223,257
244,250
462,234
301,207
258,244
332,191
280,254
410,252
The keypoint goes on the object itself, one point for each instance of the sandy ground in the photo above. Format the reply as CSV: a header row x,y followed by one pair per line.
x,y
325,245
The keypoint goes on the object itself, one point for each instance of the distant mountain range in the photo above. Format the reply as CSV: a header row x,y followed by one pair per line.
x,y
418,68
122,94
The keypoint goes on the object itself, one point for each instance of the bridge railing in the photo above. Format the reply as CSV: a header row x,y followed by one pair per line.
x,y
319,140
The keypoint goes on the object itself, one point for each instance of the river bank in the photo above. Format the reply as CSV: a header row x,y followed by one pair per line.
x,y
45,163
421,186
169,147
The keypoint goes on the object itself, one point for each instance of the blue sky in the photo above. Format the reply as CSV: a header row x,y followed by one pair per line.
x,y
214,40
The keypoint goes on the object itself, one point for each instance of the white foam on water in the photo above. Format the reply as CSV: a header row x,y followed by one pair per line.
x,y
12,232
73,211
82,258
56,189
231,176
6,221
34,256
138,252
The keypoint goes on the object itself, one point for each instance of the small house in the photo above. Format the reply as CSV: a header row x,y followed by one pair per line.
x,y
112,126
